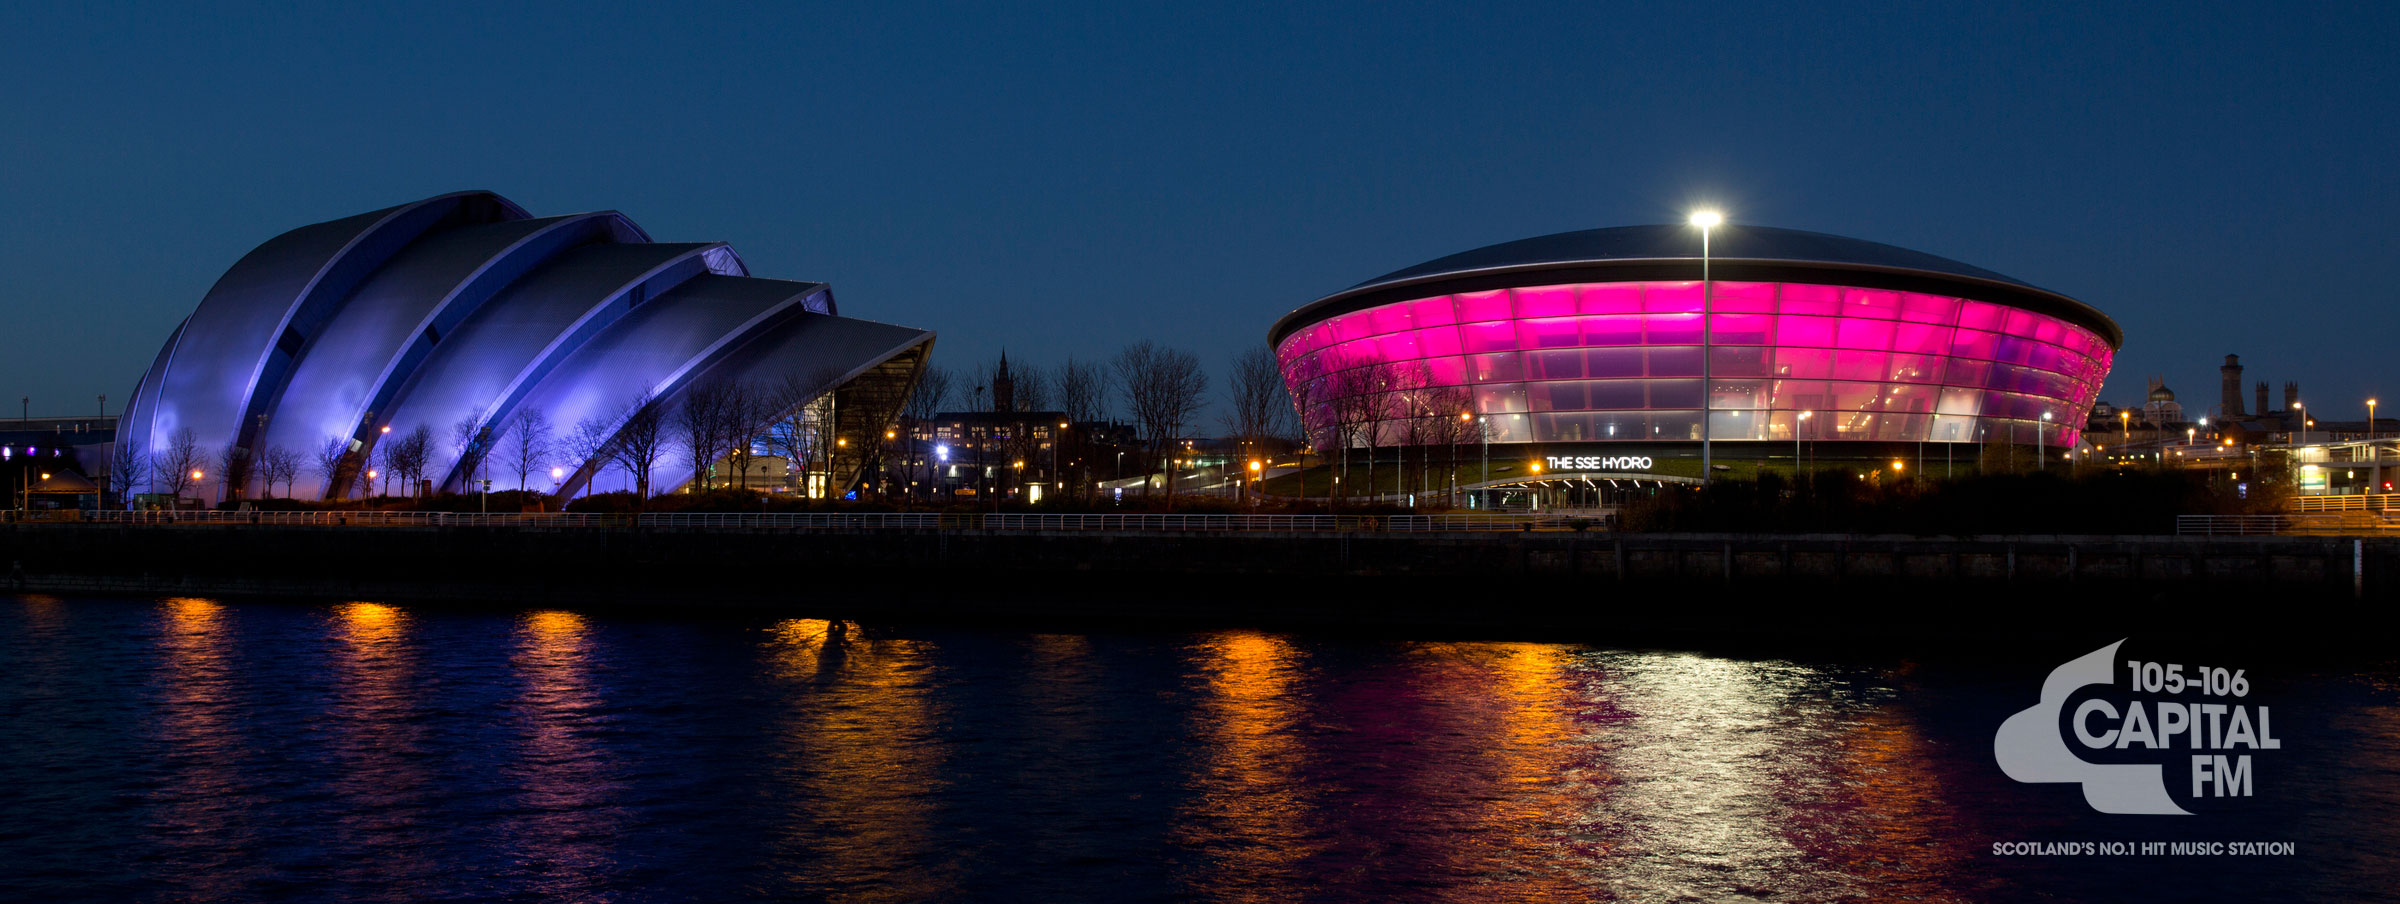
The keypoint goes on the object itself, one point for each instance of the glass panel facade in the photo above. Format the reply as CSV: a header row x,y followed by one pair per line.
x,y
1622,361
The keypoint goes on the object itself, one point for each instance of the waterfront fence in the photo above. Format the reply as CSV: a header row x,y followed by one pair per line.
x,y
2367,502
2231,525
875,521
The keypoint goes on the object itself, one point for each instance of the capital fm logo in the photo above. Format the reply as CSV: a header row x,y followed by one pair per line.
x,y
2124,742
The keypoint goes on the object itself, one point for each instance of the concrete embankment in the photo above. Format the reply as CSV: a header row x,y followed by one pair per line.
x,y
1465,580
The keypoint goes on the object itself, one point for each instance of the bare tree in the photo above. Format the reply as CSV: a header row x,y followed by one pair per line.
x,y
235,466
125,467
409,456
593,446
1033,387
470,444
1163,388
1082,390
1255,403
1353,394
747,411
528,442
872,404
803,416
172,467
281,464
641,439
925,402
331,460
1455,414
701,425
930,395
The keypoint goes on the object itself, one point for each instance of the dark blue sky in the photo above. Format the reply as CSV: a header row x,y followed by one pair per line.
x,y
2218,179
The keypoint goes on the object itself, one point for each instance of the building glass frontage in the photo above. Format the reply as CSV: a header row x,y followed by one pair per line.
x,y
1605,361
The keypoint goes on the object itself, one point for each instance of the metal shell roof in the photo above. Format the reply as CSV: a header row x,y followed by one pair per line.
x,y
1668,251
456,311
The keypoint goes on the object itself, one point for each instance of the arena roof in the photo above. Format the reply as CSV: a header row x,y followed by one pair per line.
x,y
1737,252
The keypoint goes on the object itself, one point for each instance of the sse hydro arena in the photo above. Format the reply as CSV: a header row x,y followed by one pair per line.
x,y
463,316
1584,352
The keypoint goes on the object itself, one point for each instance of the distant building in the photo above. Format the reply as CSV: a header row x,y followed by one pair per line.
x,y
2162,409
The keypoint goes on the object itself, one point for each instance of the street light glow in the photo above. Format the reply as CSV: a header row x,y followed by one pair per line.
x,y
1707,219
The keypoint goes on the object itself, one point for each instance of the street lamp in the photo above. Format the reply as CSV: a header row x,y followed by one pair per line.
x,y
1707,220
1483,428
2041,442
2370,422
2125,422
1797,423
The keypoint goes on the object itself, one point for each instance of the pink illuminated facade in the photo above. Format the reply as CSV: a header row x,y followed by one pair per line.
x,y
1834,350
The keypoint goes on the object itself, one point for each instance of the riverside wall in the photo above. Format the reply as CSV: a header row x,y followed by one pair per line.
x,y
1462,578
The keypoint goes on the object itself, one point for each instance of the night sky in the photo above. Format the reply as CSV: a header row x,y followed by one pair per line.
x,y
1060,183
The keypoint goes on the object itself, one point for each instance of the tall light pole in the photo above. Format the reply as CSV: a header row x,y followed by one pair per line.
x,y
1797,423
1707,220
1484,425
2041,444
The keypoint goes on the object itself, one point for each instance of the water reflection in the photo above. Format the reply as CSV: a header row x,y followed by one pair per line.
x,y
357,751
1866,807
1249,808
560,832
859,748
1514,785
197,813
377,742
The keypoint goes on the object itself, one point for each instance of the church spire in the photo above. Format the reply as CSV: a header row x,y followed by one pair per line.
x,y
1004,387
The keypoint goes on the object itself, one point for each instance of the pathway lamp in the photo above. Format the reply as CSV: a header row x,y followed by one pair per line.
x,y
2041,442
1707,220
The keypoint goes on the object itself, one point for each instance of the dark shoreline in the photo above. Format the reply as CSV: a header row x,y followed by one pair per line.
x,y
1815,592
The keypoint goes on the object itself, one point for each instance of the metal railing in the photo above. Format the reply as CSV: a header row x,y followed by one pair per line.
x,y
361,518
2374,502
2231,525
872,521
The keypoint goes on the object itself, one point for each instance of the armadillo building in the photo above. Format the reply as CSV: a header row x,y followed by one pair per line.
x,y
455,314
1600,347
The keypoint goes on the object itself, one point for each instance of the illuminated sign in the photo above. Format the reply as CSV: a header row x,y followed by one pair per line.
x,y
1599,463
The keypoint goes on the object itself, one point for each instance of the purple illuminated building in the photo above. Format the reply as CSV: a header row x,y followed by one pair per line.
x,y
1595,339
466,309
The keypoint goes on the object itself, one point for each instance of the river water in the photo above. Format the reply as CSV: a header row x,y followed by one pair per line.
x,y
190,749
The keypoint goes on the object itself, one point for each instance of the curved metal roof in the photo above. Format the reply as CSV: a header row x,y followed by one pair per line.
x,y
1673,252
1668,243
457,311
